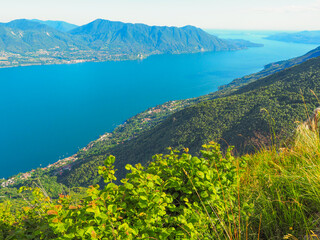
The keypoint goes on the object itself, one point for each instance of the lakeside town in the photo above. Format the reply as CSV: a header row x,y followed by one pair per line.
x,y
58,168
56,56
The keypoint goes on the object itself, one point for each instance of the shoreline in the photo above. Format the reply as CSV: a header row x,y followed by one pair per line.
x,y
72,62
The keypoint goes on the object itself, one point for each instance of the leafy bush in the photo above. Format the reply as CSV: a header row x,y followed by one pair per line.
x,y
176,197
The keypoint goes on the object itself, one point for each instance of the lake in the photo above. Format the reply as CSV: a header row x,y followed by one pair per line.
x,y
49,112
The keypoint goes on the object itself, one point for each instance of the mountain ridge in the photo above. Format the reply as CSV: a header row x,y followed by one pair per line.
x,y
105,34
59,25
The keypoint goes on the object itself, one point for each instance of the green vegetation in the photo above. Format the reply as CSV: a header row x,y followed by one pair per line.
x,y
166,200
272,194
39,179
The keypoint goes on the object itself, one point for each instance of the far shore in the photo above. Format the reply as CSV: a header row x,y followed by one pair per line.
x,y
112,58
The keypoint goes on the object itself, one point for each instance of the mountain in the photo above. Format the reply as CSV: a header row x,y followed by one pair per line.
x,y
140,38
23,36
28,42
307,37
58,25
244,118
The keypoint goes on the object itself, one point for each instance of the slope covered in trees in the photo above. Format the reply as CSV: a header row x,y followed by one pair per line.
x,y
247,118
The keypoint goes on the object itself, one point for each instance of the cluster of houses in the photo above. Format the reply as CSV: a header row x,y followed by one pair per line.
x,y
60,166
8,182
167,106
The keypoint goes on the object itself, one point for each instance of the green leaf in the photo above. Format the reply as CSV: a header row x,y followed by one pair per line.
x,y
200,174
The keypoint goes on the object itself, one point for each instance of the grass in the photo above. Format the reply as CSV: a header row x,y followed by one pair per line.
x,y
284,186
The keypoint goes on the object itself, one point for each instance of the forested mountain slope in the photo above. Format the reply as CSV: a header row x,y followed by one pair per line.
x,y
238,119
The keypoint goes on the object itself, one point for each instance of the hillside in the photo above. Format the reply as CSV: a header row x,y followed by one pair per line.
x,y
237,119
307,37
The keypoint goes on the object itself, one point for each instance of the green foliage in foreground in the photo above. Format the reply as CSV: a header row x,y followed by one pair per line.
x,y
177,197
273,194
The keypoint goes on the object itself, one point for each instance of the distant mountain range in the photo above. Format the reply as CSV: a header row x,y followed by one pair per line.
x,y
25,42
307,37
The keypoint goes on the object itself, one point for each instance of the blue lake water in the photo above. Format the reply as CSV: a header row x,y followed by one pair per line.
x,y
49,112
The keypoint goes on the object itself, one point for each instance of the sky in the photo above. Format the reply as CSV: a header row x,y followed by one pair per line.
x,y
207,14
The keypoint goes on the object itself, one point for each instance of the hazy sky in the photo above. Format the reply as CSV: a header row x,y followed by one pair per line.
x,y
216,14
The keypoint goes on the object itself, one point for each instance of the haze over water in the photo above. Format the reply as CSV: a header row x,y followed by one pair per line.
x,y
49,112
